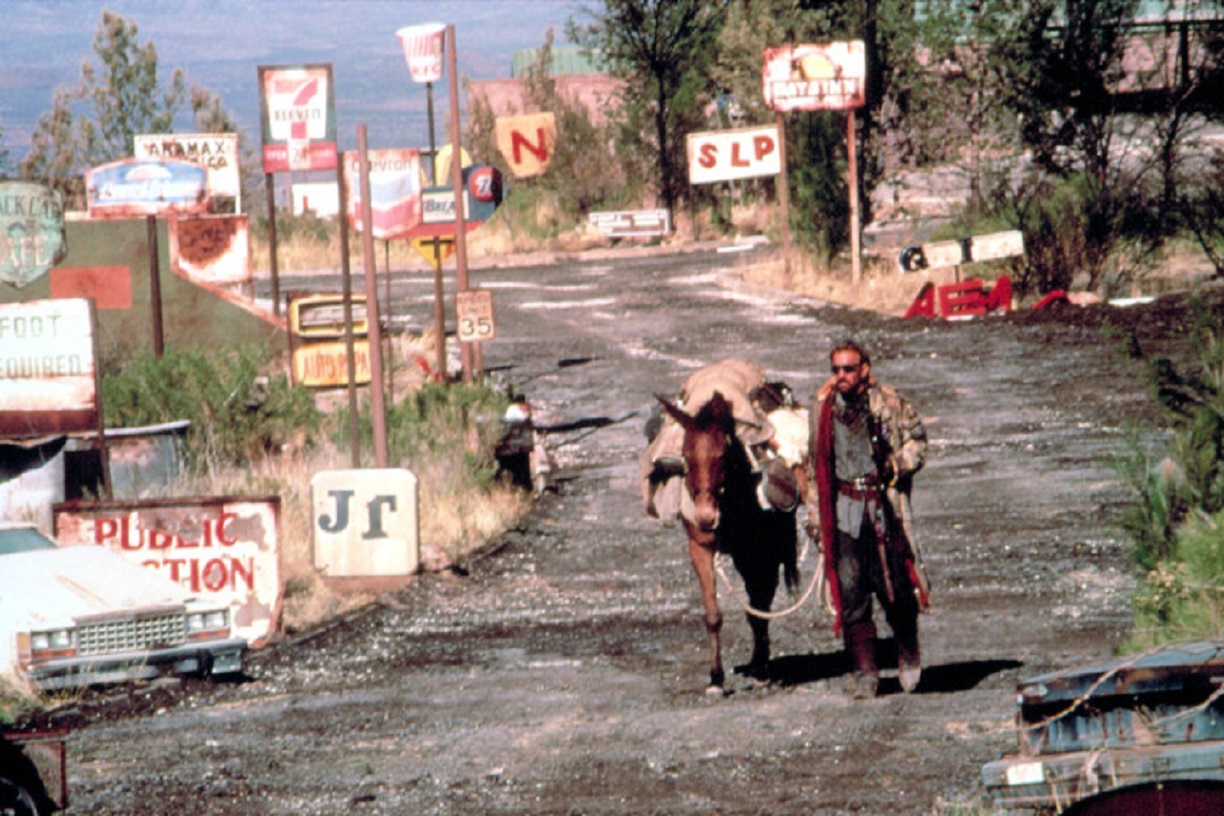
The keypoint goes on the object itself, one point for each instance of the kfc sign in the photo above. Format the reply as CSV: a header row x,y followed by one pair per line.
x,y
734,154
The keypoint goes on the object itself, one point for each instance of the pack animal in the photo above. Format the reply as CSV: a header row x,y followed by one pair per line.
x,y
721,512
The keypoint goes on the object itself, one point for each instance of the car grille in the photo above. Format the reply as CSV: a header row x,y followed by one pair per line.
x,y
128,635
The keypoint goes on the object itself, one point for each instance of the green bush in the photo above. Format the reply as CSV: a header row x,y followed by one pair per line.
x,y
446,429
237,412
1176,522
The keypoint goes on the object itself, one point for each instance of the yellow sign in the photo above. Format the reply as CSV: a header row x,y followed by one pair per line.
x,y
321,316
442,164
527,142
325,364
425,246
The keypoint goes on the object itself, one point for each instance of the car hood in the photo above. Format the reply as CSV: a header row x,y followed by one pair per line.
x,y
58,586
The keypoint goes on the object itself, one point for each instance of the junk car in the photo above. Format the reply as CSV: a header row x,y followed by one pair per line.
x,y
80,616
1118,735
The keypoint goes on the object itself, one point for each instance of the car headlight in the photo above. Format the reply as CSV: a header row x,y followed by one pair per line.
x,y
55,640
212,622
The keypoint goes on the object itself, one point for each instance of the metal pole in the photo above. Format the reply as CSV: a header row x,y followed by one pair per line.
x,y
457,179
377,406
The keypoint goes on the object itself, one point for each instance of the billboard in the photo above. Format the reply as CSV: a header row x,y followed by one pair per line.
x,y
395,191
816,77
216,152
131,188
48,374
297,110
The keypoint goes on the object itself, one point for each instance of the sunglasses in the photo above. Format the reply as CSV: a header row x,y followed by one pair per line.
x,y
846,368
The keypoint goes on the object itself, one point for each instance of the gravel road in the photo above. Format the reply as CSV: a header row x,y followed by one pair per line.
x,y
562,671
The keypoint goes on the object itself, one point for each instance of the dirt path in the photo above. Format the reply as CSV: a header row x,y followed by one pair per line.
x,y
563,673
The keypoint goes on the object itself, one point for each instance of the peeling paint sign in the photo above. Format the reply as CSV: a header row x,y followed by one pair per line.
x,y
225,548
832,76
216,151
47,372
32,236
395,191
130,188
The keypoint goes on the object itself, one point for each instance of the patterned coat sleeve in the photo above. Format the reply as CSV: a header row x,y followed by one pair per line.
x,y
905,435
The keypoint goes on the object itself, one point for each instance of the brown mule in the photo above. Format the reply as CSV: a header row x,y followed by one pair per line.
x,y
721,513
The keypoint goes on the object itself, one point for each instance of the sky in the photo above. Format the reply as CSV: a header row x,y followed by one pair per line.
x,y
220,44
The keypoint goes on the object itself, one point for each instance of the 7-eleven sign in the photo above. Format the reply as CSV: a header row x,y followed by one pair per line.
x,y
299,118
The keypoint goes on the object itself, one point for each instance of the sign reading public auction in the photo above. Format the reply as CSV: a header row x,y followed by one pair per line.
x,y
298,116
47,372
129,188
31,231
225,548
816,77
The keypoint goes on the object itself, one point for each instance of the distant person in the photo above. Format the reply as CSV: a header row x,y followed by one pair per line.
x,y
866,444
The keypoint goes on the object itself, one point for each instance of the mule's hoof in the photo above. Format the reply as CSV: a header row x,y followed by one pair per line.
x,y
715,691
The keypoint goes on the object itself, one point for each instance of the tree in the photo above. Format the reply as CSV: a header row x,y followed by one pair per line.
x,y
94,123
662,48
4,156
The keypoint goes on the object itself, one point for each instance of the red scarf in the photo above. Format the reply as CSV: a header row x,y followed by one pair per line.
x,y
826,493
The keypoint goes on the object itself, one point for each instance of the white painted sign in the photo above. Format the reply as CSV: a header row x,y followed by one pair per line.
x,y
47,373
224,548
629,223
830,76
728,155
218,152
365,523
474,314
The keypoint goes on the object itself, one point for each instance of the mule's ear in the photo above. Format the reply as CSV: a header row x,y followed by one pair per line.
x,y
675,412
720,410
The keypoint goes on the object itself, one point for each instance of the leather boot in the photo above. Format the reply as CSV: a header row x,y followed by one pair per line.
x,y
861,646
909,660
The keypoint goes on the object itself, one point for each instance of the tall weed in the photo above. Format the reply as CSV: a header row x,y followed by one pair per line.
x,y
237,411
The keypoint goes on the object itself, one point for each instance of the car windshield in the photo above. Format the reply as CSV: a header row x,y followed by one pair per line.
x,y
23,539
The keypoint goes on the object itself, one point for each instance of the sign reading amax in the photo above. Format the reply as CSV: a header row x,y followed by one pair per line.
x,y
727,155
226,548
48,380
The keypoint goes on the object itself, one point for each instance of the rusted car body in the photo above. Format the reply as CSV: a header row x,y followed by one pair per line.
x,y
1156,717
79,616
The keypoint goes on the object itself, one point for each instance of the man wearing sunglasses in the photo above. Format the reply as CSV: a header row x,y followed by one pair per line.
x,y
866,444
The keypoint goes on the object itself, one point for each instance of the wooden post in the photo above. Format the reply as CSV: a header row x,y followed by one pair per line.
x,y
377,406
270,186
457,180
856,269
155,298
784,195
350,356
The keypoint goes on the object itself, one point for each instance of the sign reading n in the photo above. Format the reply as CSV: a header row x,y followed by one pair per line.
x,y
816,77
728,155
226,548
48,381
527,142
